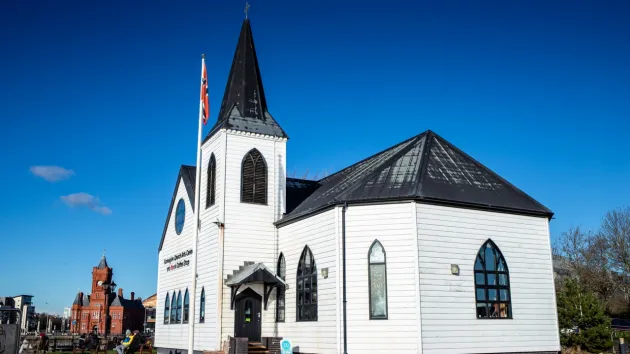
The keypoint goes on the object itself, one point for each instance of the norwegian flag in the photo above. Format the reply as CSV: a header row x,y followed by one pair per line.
x,y
205,102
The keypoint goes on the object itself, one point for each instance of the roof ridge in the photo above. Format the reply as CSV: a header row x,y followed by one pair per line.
x,y
386,162
424,161
367,158
494,174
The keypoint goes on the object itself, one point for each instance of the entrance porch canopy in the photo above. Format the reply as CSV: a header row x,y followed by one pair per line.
x,y
254,273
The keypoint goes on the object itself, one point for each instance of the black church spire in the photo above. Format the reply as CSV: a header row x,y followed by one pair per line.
x,y
244,105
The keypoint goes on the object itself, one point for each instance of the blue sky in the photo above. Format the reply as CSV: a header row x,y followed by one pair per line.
x,y
536,91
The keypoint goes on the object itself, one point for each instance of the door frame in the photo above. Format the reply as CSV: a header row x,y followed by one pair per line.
x,y
249,292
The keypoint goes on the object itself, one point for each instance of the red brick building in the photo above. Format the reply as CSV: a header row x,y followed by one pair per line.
x,y
105,311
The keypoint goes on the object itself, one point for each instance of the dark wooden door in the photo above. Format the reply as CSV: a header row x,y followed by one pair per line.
x,y
247,312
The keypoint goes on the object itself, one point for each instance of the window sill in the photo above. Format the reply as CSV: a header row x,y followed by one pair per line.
x,y
378,318
315,320
253,203
495,318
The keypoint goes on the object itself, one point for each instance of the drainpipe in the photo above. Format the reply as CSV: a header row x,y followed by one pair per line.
x,y
220,284
343,251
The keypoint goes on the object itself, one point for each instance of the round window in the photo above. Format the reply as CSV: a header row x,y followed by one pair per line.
x,y
180,215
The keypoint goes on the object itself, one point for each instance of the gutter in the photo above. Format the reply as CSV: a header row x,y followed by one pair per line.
x,y
343,251
424,200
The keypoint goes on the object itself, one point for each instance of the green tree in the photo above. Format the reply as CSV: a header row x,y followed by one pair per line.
x,y
583,322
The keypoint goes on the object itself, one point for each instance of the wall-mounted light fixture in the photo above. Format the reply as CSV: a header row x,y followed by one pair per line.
x,y
454,269
325,273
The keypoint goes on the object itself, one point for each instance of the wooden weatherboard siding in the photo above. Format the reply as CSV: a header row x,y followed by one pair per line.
x,y
176,335
250,234
453,236
320,234
392,225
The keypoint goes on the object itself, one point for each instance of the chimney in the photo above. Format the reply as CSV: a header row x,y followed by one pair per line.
x,y
133,295
120,292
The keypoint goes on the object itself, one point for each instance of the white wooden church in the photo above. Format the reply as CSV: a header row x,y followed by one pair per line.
x,y
440,254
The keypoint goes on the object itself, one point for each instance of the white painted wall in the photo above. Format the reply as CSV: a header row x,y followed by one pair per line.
x,y
250,234
392,225
453,236
176,335
319,232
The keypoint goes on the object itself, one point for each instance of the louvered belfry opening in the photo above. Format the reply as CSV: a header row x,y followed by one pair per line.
x,y
212,181
254,178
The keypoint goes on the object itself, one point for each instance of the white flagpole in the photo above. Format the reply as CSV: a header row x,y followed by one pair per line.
x,y
193,293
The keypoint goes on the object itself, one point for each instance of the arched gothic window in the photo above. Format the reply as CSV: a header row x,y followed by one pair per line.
x,y
492,283
377,264
306,287
212,181
166,309
202,306
179,307
186,307
173,306
254,178
280,304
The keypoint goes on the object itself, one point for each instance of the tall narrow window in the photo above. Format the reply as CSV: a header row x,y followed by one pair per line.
x,y
306,287
186,307
254,178
377,264
280,304
173,307
202,306
178,319
166,309
492,283
212,181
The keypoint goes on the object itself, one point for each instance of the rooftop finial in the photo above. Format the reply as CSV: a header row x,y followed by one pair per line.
x,y
104,252
246,8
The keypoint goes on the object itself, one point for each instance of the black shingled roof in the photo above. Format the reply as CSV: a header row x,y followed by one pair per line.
x,y
426,168
298,190
187,174
244,106
85,301
103,263
126,303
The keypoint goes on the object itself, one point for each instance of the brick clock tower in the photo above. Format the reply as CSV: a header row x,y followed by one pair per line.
x,y
102,288
104,311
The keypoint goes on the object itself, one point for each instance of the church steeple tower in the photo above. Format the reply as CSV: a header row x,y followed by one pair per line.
x,y
244,105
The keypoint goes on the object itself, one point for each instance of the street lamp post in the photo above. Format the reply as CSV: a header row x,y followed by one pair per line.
x,y
109,288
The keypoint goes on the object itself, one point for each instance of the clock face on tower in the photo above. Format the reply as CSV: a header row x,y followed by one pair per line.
x,y
100,283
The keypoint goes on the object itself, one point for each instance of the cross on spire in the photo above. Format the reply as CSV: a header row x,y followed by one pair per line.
x,y
246,8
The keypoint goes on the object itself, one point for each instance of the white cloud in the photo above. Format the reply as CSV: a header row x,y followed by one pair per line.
x,y
86,200
51,173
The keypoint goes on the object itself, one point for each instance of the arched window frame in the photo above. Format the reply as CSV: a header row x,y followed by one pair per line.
x,y
167,306
202,306
256,175
173,307
281,271
186,307
178,319
306,298
212,181
485,287
371,269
